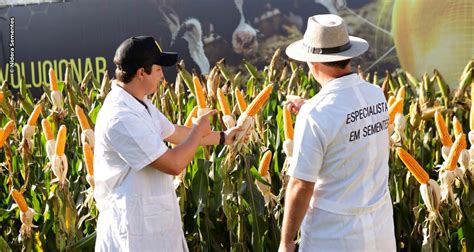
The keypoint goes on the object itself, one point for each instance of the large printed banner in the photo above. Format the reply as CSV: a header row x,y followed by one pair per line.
x,y
415,35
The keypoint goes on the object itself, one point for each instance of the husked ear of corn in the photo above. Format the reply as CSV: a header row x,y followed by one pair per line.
x,y
59,162
442,130
240,100
420,174
189,121
7,129
457,126
228,119
26,213
289,132
50,142
1,96
34,116
258,102
397,107
20,200
61,140
56,95
87,135
89,160
263,171
201,100
391,100
82,118
458,146
401,93
223,102
265,163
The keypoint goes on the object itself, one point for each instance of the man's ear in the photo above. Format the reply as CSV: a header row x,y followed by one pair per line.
x,y
139,73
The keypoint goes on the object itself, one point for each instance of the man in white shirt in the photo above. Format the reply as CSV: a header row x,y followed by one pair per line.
x,y
338,189
134,168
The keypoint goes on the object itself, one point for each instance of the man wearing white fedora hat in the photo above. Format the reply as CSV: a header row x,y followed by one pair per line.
x,y
338,188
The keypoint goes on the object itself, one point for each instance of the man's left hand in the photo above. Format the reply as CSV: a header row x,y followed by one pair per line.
x,y
287,247
230,134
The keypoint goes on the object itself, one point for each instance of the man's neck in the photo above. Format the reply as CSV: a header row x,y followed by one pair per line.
x,y
326,76
132,89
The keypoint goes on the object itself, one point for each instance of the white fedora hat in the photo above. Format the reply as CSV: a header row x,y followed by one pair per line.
x,y
326,40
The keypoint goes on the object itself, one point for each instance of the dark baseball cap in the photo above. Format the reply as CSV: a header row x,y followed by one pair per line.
x,y
142,51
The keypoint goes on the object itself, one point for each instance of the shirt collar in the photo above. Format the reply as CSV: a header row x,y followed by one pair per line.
x,y
128,99
340,83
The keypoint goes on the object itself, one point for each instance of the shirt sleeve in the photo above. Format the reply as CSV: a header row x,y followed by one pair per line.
x,y
167,127
308,150
135,142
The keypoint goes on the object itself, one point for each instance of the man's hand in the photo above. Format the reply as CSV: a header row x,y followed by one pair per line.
x,y
230,134
203,124
293,103
287,247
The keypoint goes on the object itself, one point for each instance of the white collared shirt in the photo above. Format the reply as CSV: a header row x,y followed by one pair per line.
x,y
341,143
138,206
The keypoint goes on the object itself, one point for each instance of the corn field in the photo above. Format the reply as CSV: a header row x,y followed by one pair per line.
x,y
231,197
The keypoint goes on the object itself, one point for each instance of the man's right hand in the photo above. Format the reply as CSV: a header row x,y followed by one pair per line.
x,y
293,103
202,124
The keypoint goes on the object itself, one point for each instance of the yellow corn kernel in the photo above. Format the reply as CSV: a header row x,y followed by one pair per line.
x,y
53,80
457,126
61,141
397,107
391,100
458,146
223,102
420,174
34,116
265,163
288,123
201,100
442,130
7,129
82,118
48,133
240,100
189,120
89,158
258,102
20,200
401,93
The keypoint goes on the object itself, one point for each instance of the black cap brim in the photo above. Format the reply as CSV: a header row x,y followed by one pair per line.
x,y
167,59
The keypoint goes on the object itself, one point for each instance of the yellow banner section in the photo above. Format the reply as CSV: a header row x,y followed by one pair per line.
x,y
36,72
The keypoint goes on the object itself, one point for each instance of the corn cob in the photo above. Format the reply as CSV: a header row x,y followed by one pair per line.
x,y
7,129
471,114
240,100
48,133
391,100
89,158
189,120
1,96
396,108
201,100
34,116
223,102
442,130
265,163
457,126
61,140
258,102
82,118
401,93
20,200
420,174
53,80
288,123
458,146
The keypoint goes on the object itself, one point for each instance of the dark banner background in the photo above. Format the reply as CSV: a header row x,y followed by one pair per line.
x,y
86,33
